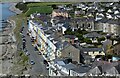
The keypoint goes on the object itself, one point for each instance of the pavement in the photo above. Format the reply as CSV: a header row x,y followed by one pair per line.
x,y
38,68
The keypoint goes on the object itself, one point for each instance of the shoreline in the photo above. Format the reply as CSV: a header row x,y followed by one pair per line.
x,y
9,57
14,9
9,48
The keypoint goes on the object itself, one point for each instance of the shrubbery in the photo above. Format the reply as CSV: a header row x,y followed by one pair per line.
x,y
22,6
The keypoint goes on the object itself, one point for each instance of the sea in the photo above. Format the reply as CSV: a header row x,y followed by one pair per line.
x,y
5,13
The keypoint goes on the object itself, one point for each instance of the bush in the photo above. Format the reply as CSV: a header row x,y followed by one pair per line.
x,y
87,40
101,39
21,6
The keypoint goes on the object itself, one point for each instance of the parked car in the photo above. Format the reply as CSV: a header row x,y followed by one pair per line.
x,y
32,62
35,48
27,53
39,53
24,39
25,50
23,36
47,67
27,33
45,62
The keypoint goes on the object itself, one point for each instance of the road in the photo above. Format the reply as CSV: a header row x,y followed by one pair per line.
x,y
38,68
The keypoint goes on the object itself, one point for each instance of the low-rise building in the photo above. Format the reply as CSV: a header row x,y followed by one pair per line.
x,y
93,51
105,68
71,52
83,23
93,36
71,38
80,70
60,13
108,26
116,49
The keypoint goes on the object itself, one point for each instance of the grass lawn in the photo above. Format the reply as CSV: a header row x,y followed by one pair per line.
x,y
40,9
19,21
23,58
47,3
11,0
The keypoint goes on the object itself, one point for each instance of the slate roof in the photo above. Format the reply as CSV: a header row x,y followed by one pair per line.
x,y
95,71
58,44
81,69
98,64
118,68
69,66
67,47
90,19
91,49
107,67
60,62
92,35
70,36
65,60
110,21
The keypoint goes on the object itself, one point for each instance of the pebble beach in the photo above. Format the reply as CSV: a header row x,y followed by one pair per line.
x,y
7,44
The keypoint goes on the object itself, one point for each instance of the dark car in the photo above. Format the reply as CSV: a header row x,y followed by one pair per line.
x,y
39,53
24,39
36,49
45,62
32,62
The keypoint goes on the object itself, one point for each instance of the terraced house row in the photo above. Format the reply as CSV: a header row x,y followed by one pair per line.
x,y
75,46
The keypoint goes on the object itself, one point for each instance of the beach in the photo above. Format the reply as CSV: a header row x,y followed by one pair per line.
x,y
15,10
8,44
8,47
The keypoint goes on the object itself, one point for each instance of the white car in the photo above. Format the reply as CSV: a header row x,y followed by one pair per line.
x,y
27,53
47,67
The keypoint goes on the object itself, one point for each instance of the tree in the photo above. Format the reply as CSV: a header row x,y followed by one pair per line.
x,y
54,6
69,5
22,6
87,40
101,39
69,32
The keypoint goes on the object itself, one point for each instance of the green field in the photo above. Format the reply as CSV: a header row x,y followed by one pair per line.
x,y
40,9
10,0
47,3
